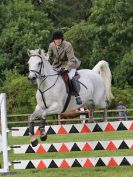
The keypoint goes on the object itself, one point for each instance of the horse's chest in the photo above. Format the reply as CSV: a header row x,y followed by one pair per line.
x,y
45,98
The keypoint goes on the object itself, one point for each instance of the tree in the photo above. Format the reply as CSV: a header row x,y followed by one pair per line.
x,y
20,93
65,13
25,28
106,35
124,71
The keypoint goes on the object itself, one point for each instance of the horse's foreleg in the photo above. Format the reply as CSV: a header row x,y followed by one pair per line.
x,y
49,111
31,120
53,109
43,134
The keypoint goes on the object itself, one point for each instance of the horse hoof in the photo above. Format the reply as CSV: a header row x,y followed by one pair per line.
x,y
43,138
34,143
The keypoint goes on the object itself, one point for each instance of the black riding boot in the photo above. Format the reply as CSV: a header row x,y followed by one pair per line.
x,y
76,90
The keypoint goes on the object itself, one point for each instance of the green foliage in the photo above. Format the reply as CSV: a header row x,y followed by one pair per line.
x,y
124,72
107,35
64,13
20,94
122,95
24,28
97,29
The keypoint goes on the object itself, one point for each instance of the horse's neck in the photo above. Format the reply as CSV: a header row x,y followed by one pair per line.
x,y
50,75
48,69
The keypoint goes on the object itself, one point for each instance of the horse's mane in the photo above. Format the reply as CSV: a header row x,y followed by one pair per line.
x,y
39,52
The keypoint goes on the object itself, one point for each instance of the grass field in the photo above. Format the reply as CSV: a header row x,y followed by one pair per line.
x,y
75,172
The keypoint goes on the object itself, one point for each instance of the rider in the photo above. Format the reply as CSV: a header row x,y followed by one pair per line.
x,y
61,51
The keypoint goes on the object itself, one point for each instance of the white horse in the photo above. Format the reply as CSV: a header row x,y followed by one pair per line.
x,y
51,94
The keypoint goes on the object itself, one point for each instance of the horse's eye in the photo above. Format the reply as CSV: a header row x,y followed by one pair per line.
x,y
39,63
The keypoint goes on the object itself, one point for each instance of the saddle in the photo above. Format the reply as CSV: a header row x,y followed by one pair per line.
x,y
69,88
68,83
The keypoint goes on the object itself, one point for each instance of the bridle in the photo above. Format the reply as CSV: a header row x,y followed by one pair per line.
x,y
44,78
41,66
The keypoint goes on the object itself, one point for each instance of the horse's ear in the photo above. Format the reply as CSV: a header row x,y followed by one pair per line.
x,y
39,51
28,52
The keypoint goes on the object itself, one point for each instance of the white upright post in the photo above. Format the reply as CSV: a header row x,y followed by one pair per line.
x,y
4,130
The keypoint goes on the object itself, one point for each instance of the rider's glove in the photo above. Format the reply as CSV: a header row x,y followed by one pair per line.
x,y
62,71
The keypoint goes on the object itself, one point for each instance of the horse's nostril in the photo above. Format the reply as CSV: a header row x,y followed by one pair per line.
x,y
31,78
34,78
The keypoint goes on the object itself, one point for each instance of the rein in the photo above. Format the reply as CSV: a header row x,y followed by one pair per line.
x,y
47,88
45,77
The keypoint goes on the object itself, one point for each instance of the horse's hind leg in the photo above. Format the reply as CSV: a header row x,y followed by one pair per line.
x,y
91,109
105,114
43,134
91,120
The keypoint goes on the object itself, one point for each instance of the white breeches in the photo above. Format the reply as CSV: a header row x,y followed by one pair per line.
x,y
71,73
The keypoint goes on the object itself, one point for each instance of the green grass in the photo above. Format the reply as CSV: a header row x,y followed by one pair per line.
x,y
75,172
75,137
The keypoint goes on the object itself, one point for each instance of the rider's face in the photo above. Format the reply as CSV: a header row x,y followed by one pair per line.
x,y
57,41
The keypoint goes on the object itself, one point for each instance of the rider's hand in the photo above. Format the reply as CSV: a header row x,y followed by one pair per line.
x,y
62,71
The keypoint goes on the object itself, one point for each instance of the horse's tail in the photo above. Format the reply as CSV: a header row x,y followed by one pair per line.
x,y
103,69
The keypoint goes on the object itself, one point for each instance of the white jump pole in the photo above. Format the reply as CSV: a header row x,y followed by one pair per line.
x,y
4,130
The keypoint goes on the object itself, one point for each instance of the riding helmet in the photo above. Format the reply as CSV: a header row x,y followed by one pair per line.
x,y
57,35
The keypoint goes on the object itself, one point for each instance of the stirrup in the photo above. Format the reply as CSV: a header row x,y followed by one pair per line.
x,y
78,100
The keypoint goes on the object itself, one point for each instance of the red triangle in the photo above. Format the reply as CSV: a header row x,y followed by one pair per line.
x,y
131,147
63,148
37,132
111,146
62,130
109,127
64,164
87,147
131,127
112,163
40,149
88,163
85,129
41,165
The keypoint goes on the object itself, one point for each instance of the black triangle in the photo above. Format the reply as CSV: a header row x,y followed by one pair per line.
x,y
73,130
53,164
30,165
98,146
100,163
26,132
29,150
52,148
121,127
50,131
76,163
75,147
97,128
123,145
124,162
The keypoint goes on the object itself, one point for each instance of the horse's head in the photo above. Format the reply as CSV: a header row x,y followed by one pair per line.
x,y
36,64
